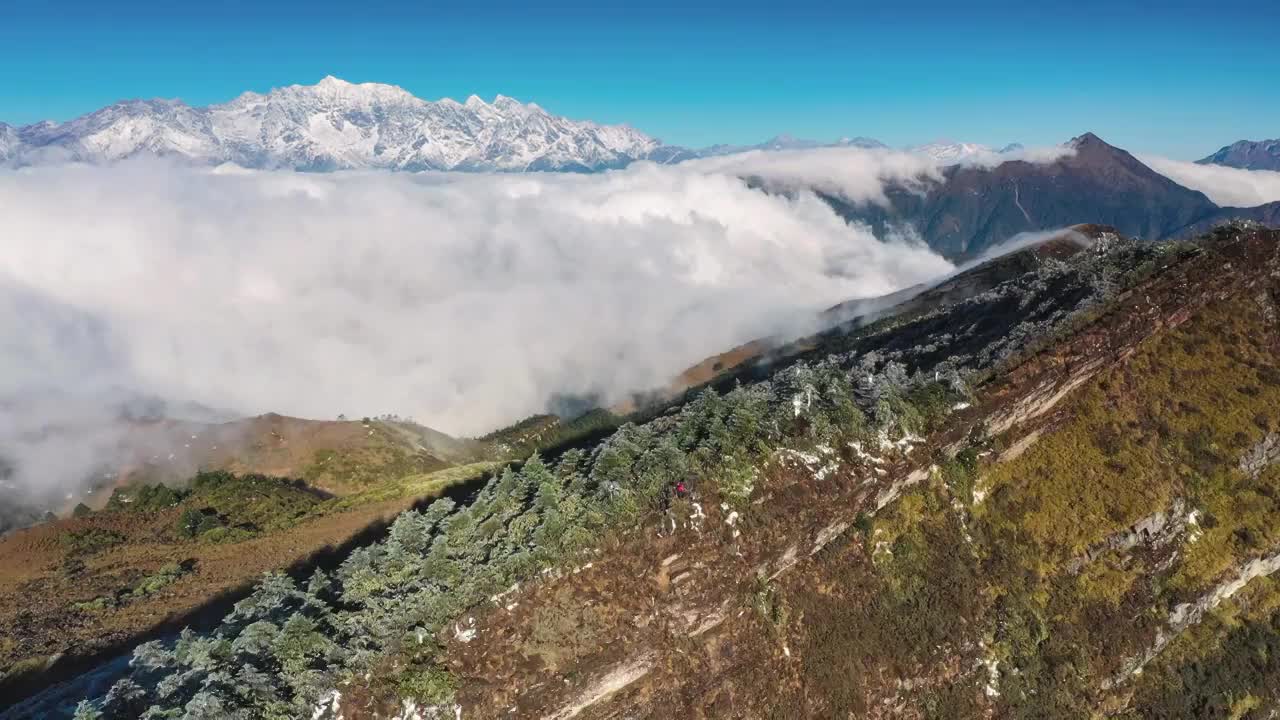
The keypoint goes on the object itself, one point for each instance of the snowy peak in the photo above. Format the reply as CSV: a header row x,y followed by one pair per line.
x,y
948,152
333,125
333,89
1247,155
331,82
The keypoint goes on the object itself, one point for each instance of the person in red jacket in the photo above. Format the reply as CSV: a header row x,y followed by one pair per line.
x,y
681,490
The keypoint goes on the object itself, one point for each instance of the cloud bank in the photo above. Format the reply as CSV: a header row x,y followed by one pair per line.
x,y
1226,186
856,174
463,301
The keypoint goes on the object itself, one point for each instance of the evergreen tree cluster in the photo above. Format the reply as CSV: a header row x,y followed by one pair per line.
x,y
289,643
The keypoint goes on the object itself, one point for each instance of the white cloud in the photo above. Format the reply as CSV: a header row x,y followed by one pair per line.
x,y
464,301
1025,240
857,174
1046,154
1226,186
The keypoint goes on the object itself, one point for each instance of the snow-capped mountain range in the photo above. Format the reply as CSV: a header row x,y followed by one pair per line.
x,y
337,125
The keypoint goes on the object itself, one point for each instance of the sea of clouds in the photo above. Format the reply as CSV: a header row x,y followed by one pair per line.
x,y
1226,186
463,301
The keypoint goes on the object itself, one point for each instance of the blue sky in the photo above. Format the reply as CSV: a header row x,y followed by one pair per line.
x,y
1176,78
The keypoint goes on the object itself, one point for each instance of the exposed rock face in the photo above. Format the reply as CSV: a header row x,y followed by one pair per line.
x,y
1186,615
1156,529
1263,455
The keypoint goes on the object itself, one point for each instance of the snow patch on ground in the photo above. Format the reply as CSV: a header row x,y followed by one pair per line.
x,y
821,463
465,633
329,707
864,455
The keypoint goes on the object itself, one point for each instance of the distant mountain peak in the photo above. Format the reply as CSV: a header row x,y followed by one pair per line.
x,y
1247,155
331,81
1087,140
948,151
862,142
979,205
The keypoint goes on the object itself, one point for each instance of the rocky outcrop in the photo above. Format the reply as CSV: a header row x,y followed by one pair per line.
x,y
1186,615
1261,456
1154,530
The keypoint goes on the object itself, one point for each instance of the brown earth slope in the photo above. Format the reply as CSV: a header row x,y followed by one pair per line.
x,y
1091,534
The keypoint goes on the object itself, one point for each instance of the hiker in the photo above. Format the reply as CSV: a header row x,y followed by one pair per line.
x,y
681,489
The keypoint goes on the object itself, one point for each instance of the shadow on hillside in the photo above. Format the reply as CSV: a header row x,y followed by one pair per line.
x,y
18,688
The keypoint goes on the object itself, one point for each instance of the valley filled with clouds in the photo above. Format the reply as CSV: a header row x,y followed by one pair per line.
x,y
463,301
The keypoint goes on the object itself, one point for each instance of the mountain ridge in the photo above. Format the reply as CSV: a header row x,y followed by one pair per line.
x,y
975,207
1247,155
339,125
334,125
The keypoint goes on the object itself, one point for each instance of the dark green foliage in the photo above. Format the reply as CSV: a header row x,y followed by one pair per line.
x,y
81,510
144,498
221,506
1218,685
771,605
913,604
550,433
166,575
959,474
864,525
245,504
91,540
426,685
163,577
195,522
931,402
